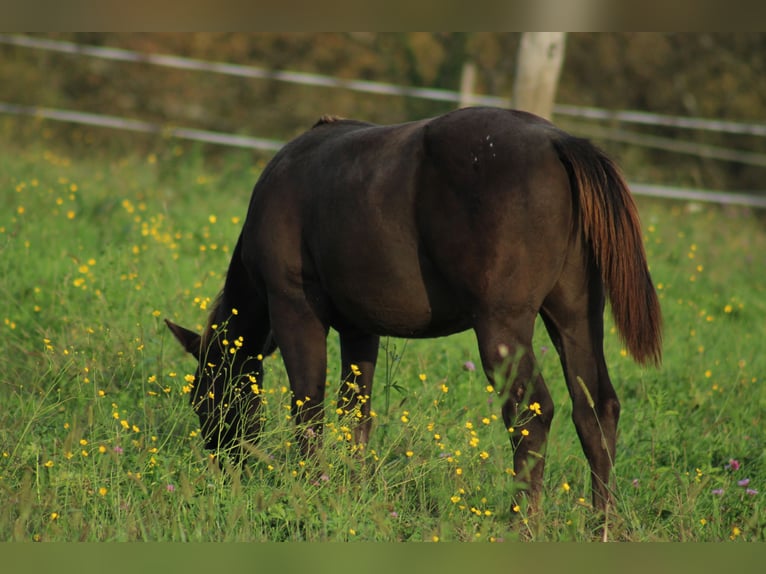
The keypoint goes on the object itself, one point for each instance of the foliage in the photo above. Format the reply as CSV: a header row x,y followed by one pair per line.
x,y
719,76
97,441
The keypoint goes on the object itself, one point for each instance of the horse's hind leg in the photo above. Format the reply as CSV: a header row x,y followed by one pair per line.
x,y
359,353
573,315
505,345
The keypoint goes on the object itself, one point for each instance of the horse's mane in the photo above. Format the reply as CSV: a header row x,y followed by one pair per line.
x,y
327,119
332,120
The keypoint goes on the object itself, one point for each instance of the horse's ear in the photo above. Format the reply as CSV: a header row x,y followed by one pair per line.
x,y
189,340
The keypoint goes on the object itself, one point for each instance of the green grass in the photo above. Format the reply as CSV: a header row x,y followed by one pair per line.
x,y
98,441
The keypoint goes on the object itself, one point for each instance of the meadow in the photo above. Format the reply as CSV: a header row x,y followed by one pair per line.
x,y
98,442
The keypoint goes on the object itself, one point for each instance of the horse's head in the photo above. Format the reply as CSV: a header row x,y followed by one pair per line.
x,y
225,385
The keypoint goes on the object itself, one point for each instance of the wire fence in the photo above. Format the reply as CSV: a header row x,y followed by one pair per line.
x,y
364,86
106,121
380,88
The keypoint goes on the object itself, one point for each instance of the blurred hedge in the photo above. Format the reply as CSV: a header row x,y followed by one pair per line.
x,y
709,75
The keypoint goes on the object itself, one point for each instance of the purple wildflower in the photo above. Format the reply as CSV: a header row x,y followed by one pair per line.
x,y
118,449
170,488
635,483
743,482
717,491
733,464
469,366
322,478
751,491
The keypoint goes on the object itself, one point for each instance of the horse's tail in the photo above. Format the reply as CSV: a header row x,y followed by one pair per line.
x,y
611,226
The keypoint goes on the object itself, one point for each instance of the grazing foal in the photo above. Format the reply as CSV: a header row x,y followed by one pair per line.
x,y
479,219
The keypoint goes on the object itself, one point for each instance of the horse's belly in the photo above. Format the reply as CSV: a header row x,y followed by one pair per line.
x,y
407,308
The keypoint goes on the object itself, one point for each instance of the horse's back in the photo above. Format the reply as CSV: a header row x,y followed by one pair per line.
x,y
404,229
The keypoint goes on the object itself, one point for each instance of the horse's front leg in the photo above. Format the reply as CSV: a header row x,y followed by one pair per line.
x,y
302,338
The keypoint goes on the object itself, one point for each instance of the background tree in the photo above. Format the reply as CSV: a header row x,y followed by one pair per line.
x,y
540,58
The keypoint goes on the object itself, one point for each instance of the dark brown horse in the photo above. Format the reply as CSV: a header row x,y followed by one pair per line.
x,y
478,219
